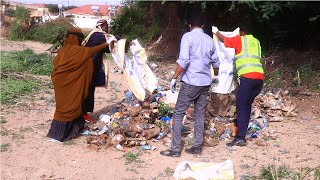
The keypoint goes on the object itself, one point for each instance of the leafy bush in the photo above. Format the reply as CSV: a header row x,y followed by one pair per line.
x,y
164,109
131,23
26,61
130,157
22,14
50,32
16,31
284,172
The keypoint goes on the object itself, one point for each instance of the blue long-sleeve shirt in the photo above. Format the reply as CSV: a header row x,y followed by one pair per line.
x,y
197,53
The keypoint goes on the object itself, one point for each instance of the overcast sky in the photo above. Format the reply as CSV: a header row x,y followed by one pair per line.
x,y
71,2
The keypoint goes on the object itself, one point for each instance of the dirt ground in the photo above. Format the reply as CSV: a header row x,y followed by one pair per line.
x,y
31,156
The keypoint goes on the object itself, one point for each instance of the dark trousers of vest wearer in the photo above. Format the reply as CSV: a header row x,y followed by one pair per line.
x,y
187,95
248,89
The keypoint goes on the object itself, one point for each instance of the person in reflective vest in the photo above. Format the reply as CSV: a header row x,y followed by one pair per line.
x,y
250,73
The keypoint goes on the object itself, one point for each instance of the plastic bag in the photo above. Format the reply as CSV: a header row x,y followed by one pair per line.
x,y
225,82
204,170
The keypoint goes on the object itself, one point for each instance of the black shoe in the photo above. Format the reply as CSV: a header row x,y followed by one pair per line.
x,y
237,142
170,153
194,150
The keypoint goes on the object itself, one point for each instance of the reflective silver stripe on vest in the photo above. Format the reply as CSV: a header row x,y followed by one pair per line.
x,y
259,51
245,51
247,56
247,65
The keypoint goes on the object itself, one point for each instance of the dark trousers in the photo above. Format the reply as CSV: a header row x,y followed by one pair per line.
x,y
65,131
187,95
248,89
88,103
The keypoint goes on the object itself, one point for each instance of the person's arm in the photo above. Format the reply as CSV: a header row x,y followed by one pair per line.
x,y
95,49
182,62
184,56
178,71
215,62
220,36
215,30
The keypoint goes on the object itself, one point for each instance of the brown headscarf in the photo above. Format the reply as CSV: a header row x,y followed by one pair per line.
x,y
71,76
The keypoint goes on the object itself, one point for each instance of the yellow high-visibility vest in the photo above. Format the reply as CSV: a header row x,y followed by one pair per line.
x,y
249,59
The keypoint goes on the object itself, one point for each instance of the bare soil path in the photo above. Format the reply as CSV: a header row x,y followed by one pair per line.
x,y
28,155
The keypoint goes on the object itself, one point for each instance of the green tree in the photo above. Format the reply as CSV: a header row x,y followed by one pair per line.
x,y
53,8
21,18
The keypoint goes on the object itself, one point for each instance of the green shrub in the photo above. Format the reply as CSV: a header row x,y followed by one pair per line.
x,y
16,31
309,77
26,61
275,78
50,32
132,23
130,157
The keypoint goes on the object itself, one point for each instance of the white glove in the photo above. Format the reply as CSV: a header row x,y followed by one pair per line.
x,y
215,29
173,85
110,39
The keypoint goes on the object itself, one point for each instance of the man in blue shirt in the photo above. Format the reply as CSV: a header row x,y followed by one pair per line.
x,y
197,54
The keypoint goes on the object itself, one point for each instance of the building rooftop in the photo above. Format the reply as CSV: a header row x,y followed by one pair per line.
x,y
87,9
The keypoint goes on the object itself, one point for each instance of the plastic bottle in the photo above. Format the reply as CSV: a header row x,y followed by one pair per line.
x,y
129,97
160,136
257,123
264,120
119,147
105,118
163,134
255,134
148,147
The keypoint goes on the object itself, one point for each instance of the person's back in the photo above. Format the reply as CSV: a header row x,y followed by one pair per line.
x,y
251,74
197,52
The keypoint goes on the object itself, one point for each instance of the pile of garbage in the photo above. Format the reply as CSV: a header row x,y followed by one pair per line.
x,y
133,122
268,107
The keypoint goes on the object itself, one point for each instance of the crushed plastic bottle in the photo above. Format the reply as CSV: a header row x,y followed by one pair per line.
x,y
265,121
157,97
255,134
148,147
163,134
129,98
159,88
119,147
105,118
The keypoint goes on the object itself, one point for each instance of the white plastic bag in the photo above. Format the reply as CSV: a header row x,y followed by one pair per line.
x,y
138,74
225,83
204,170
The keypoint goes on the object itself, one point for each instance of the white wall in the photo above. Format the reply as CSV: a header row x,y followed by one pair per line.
x,y
86,22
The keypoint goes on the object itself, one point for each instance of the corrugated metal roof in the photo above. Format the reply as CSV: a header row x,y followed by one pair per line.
x,y
86,9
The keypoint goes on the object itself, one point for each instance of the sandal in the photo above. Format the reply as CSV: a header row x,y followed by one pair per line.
x,y
170,153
